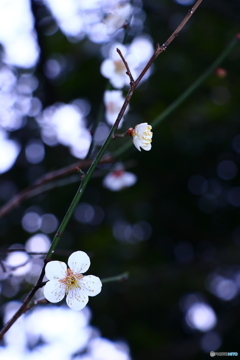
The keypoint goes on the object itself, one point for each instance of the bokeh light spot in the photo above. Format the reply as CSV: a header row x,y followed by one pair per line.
x,y
211,341
31,221
35,151
201,317
227,169
49,223
38,243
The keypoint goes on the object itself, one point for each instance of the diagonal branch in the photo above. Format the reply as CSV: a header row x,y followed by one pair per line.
x,y
85,180
74,168
159,50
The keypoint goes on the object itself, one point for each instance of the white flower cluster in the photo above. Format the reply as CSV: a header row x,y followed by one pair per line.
x,y
118,18
113,100
136,54
66,124
114,69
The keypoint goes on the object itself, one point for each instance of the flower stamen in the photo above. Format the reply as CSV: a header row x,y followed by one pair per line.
x,y
142,136
71,280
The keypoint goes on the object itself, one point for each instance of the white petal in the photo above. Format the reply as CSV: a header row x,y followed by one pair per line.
x,y
113,51
147,147
112,182
79,262
140,128
129,178
111,118
117,19
107,68
113,96
91,285
122,180
54,291
137,142
55,270
118,80
76,299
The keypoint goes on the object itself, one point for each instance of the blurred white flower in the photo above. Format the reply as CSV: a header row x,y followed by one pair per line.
x,y
142,48
9,150
113,100
142,136
5,271
71,282
117,18
65,124
119,179
20,262
114,69
104,349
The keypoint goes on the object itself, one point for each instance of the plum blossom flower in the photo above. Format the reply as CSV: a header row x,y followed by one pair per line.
x,y
117,19
113,100
142,136
114,69
119,179
143,49
69,281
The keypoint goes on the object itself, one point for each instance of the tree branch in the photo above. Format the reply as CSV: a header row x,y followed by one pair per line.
x,y
84,182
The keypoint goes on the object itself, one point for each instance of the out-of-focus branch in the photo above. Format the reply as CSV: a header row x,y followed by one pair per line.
x,y
38,186
24,306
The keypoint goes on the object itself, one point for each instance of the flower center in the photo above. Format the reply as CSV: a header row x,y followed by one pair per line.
x,y
146,135
71,280
118,173
119,66
111,107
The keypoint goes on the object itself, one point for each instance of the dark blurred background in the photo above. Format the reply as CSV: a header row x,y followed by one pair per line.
x,y
177,230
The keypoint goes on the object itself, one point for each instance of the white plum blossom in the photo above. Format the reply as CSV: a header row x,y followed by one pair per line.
x,y
142,136
69,281
71,132
114,69
117,19
142,49
113,100
118,179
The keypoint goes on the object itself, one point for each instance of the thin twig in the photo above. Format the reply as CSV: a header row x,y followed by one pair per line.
x,y
120,277
159,50
36,302
128,72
